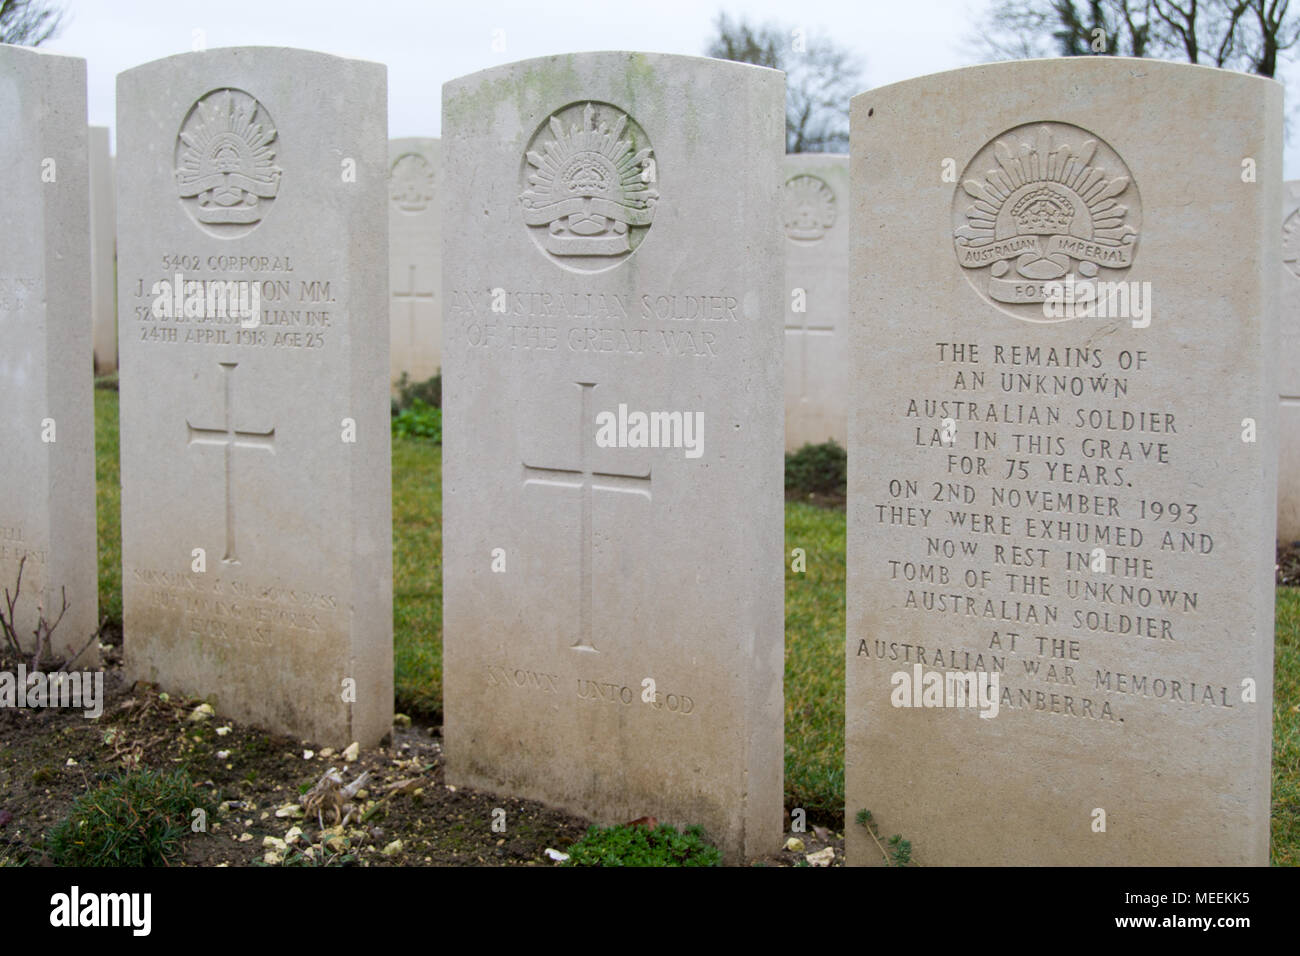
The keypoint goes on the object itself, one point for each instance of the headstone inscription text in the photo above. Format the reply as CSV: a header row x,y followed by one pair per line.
x,y
1060,597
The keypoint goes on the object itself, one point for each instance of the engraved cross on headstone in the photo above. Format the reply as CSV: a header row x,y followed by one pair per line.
x,y
411,297
804,330
230,437
588,481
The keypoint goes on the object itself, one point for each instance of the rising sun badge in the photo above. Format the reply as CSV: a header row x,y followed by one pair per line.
x,y
808,208
226,174
410,183
1039,204
589,186
1291,243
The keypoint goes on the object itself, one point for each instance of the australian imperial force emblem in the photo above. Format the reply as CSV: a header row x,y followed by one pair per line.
x,y
589,186
410,183
1041,205
808,208
226,174
1291,243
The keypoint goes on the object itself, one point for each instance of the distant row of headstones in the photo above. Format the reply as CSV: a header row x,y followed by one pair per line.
x,y
1061,385
816,262
816,271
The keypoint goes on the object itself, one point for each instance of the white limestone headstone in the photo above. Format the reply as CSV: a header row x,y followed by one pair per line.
x,y
414,266
256,495
1061,508
47,426
613,607
1288,370
103,256
815,218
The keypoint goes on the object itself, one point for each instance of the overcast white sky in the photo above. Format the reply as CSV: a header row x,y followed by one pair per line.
x,y
427,42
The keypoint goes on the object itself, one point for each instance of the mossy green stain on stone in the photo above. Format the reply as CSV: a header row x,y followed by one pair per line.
x,y
713,174
533,86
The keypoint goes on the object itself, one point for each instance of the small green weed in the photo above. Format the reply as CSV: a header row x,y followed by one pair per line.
x,y
419,420
900,850
625,845
818,469
137,819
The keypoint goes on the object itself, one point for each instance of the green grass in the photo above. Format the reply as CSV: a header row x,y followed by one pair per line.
x,y
417,575
108,507
137,819
419,420
814,607
1286,730
625,845
814,663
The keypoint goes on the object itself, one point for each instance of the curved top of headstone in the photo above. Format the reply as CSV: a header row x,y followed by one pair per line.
x,y
244,119
1086,65
254,55
17,52
1051,157
1048,172
590,130
637,59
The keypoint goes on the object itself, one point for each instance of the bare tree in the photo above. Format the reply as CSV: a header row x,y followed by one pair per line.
x,y
820,78
28,22
743,43
1245,35
43,632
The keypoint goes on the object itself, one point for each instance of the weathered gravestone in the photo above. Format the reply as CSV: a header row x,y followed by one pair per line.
x,y
47,427
815,199
1288,370
103,238
414,270
612,518
1061,509
256,513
